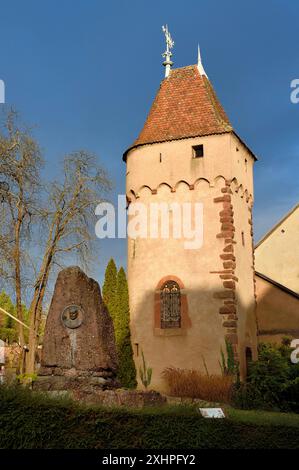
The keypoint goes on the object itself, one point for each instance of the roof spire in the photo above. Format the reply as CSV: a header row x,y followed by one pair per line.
x,y
199,64
167,54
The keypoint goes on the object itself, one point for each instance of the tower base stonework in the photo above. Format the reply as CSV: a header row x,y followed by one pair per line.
x,y
79,349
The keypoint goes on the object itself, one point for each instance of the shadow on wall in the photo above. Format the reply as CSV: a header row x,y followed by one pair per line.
x,y
277,311
196,341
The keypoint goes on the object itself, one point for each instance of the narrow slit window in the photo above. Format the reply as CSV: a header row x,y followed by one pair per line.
x,y
198,151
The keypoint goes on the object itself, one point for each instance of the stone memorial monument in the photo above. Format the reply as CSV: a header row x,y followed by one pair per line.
x,y
79,346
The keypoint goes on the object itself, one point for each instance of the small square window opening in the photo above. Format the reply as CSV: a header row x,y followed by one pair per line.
x,y
197,151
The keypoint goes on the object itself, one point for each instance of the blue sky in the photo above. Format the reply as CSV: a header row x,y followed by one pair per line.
x,y
85,73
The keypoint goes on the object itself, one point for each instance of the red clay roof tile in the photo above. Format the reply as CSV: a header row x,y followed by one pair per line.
x,y
185,106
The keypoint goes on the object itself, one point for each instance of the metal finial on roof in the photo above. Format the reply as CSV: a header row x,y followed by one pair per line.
x,y
199,64
167,54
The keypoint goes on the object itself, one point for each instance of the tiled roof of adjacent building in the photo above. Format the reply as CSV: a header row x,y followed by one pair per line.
x,y
185,106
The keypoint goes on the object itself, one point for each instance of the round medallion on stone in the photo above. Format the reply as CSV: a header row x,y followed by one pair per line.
x,y
72,316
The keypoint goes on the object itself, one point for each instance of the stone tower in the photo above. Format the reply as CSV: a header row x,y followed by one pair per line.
x,y
185,303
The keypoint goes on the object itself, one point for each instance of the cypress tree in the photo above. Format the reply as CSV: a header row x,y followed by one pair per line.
x,y
109,288
126,371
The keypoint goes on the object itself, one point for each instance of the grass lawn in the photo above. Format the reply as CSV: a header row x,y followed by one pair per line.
x,y
263,417
257,417
33,420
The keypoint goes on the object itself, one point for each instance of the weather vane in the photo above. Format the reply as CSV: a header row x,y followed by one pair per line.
x,y
167,54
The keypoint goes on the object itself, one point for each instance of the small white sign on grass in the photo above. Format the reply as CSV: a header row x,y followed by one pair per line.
x,y
212,412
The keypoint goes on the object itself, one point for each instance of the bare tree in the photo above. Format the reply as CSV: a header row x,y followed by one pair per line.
x,y
64,210
20,163
70,219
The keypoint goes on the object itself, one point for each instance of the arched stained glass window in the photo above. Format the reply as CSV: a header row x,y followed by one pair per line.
x,y
170,305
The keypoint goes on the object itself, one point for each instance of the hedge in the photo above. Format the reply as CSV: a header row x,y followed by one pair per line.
x,y
32,420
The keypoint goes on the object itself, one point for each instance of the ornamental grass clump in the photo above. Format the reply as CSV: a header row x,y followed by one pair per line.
x,y
193,384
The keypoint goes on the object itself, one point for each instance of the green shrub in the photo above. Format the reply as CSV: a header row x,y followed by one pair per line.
x,y
9,332
269,374
7,304
9,335
290,396
273,380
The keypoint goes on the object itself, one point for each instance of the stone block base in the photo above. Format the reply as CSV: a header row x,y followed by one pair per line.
x,y
70,380
119,397
97,391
